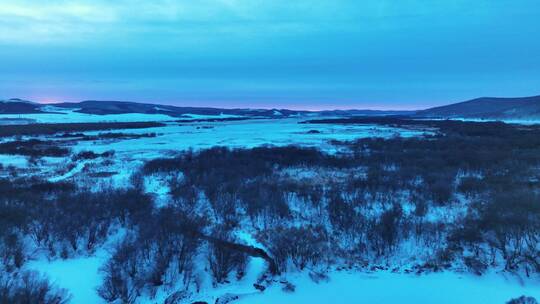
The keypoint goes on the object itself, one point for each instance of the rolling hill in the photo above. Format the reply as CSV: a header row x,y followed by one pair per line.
x,y
97,107
18,106
123,107
526,108
488,108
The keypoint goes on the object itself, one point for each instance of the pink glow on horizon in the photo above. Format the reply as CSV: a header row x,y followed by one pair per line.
x,y
48,100
45,100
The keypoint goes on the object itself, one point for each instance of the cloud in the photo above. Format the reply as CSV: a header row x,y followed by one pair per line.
x,y
56,21
49,12
83,22
305,49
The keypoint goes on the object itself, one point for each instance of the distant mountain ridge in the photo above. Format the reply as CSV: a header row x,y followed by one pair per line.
x,y
353,112
120,107
488,108
17,106
481,108
123,107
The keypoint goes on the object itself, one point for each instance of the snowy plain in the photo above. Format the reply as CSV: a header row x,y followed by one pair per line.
x,y
81,275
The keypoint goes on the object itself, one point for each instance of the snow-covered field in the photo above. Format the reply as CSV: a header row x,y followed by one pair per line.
x,y
81,275
176,137
387,287
60,115
63,115
244,134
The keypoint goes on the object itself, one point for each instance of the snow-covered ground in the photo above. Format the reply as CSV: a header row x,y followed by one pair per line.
x,y
387,287
81,275
242,134
63,115
176,137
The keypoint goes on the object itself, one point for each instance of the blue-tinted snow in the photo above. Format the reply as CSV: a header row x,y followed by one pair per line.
x,y
392,288
81,275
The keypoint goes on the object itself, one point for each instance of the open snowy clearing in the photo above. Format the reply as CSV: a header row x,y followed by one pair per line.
x,y
243,134
177,137
62,115
81,276
386,287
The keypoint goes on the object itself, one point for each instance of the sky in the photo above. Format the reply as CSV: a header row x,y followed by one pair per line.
x,y
297,54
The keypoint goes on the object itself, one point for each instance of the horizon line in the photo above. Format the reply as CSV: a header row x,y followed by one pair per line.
x,y
293,107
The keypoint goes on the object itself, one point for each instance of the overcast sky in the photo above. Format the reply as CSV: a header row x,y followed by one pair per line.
x,y
309,54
